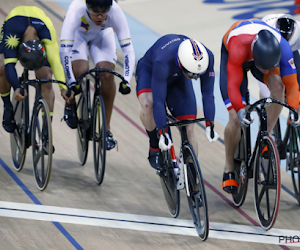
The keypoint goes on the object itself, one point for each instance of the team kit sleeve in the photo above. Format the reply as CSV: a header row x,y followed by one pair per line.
x,y
52,52
70,24
207,89
11,42
120,26
235,72
288,74
159,93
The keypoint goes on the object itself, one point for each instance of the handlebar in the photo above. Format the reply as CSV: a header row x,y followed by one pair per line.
x,y
183,123
267,101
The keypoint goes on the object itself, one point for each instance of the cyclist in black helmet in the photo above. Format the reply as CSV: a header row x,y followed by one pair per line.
x,y
27,35
88,31
255,46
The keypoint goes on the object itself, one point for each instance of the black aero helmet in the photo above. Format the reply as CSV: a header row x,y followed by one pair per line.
x,y
97,5
287,26
266,50
32,54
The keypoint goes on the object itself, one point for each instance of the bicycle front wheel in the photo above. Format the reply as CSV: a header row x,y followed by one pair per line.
x,y
267,182
168,181
82,127
99,138
293,160
196,192
18,137
41,141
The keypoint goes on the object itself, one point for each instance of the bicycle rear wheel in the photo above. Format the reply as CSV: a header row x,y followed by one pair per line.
x,y
18,138
267,182
83,124
293,160
240,171
41,141
168,181
196,192
99,138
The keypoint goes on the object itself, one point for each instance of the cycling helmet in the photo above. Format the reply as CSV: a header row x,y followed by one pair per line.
x,y
266,50
192,57
288,28
99,5
32,54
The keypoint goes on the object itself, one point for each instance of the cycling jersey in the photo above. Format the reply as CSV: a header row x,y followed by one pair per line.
x,y
158,72
237,41
13,29
77,22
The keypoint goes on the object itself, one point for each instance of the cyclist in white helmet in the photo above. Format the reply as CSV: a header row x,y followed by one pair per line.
x,y
164,75
289,28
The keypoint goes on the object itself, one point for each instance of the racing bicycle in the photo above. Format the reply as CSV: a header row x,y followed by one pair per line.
x,y
35,132
186,174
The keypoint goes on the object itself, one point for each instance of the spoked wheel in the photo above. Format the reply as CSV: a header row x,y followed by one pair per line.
x,y
83,125
267,183
240,173
168,181
99,138
196,193
18,137
41,141
293,160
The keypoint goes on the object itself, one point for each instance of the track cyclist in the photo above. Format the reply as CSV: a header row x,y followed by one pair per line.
x,y
88,28
164,74
29,36
253,45
290,30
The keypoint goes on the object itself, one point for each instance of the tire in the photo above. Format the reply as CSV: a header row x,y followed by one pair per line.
x,y
240,172
196,192
293,160
267,183
168,181
83,125
18,138
41,141
99,138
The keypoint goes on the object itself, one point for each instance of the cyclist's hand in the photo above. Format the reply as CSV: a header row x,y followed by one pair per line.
x,y
124,87
165,142
63,93
18,96
293,122
208,135
244,122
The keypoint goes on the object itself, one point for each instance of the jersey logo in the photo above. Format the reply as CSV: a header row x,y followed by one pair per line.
x,y
291,62
84,24
12,42
211,73
175,74
197,54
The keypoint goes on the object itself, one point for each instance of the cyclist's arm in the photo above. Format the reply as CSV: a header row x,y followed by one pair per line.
x,y
288,74
71,23
119,24
207,89
159,92
235,73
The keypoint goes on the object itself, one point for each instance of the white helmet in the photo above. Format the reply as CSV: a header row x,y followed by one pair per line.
x,y
193,57
288,28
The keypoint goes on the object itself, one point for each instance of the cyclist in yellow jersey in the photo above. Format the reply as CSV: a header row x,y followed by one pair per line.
x,y
28,35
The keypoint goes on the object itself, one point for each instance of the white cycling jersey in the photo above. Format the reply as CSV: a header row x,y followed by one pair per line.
x,y
79,29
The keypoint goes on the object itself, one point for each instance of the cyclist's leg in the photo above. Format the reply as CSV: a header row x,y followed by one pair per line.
x,y
145,97
103,54
8,115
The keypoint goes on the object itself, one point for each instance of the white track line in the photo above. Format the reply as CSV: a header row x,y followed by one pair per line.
x,y
141,222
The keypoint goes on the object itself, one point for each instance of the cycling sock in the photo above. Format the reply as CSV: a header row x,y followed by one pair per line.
x,y
6,100
153,138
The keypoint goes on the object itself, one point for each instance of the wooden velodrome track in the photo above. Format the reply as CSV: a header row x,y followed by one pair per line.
x,y
128,210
